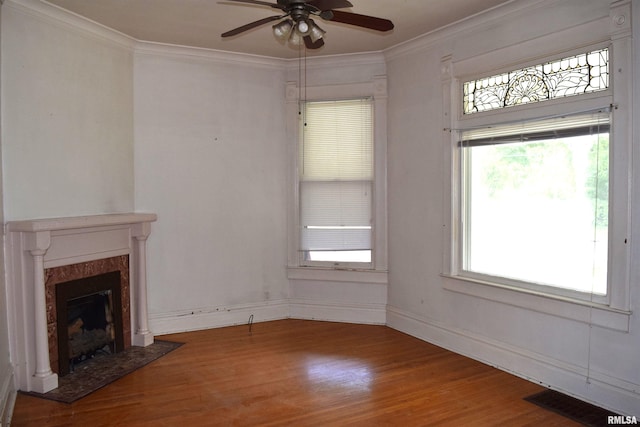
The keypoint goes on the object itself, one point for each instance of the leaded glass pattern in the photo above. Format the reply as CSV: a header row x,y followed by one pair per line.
x,y
575,75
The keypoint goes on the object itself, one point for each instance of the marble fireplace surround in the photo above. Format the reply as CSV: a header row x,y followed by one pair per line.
x,y
35,247
60,275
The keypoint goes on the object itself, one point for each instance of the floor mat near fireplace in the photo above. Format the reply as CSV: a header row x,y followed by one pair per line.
x,y
567,406
100,371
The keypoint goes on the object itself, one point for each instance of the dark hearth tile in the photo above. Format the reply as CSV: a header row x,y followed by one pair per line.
x,y
103,370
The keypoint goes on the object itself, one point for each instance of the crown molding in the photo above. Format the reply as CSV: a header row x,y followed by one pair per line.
x,y
47,12
339,61
210,55
474,23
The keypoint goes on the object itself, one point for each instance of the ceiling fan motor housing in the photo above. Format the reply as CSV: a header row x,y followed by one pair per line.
x,y
300,15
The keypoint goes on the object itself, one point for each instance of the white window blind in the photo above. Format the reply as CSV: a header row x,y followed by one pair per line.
x,y
336,178
555,127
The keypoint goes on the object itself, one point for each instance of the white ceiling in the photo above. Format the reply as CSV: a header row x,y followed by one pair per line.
x,y
199,23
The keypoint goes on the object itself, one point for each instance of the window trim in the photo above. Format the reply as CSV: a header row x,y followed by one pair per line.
x,y
613,313
487,278
342,264
377,90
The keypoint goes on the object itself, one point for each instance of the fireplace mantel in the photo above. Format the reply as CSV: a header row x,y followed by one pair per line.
x,y
33,246
76,222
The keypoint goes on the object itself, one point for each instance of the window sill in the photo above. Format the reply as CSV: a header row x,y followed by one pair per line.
x,y
338,275
568,308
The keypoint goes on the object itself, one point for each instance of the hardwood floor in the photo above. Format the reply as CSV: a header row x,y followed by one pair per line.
x,y
301,373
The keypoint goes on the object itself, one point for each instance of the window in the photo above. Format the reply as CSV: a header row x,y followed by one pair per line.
x,y
570,76
336,181
532,174
535,201
337,209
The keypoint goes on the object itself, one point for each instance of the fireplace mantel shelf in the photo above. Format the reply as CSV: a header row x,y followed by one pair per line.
x,y
76,222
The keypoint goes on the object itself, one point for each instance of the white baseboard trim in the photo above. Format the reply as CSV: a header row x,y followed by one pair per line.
x,y
308,309
7,395
597,388
217,317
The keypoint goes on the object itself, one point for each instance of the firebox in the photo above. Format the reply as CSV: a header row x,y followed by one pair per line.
x,y
89,319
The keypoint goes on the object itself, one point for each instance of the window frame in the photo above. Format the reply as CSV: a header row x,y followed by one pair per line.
x,y
463,244
340,264
376,89
613,310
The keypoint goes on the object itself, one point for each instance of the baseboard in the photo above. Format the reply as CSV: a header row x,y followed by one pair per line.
x,y
7,395
217,317
375,314
593,387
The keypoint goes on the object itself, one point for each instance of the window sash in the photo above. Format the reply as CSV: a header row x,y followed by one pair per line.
x,y
550,129
337,140
336,179
335,216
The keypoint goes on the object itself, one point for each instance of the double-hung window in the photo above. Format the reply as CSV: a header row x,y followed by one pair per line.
x,y
533,205
535,201
336,182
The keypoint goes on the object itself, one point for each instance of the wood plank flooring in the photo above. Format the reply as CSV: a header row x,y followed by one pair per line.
x,y
301,373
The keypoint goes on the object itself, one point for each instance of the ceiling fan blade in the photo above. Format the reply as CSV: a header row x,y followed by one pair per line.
x,y
250,25
373,23
329,4
310,44
258,2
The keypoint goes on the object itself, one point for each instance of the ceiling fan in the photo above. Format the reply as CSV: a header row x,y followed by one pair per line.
x,y
297,27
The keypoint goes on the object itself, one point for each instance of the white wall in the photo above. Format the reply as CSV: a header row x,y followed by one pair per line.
x,y
210,160
592,362
67,115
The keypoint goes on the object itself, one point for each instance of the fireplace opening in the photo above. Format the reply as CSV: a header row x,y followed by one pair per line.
x,y
89,319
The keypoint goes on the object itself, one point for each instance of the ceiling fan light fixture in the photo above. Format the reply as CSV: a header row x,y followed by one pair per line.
x,y
283,29
316,32
295,39
295,26
303,28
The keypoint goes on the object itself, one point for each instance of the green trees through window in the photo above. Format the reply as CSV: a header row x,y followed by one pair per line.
x,y
537,211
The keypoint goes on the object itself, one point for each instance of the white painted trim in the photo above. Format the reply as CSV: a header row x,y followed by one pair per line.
x,y
376,87
579,310
210,55
338,275
594,387
27,244
7,395
468,25
70,223
336,61
307,309
217,317
58,16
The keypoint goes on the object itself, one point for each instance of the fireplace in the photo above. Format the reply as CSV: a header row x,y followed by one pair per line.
x,y
89,320
43,256
85,279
